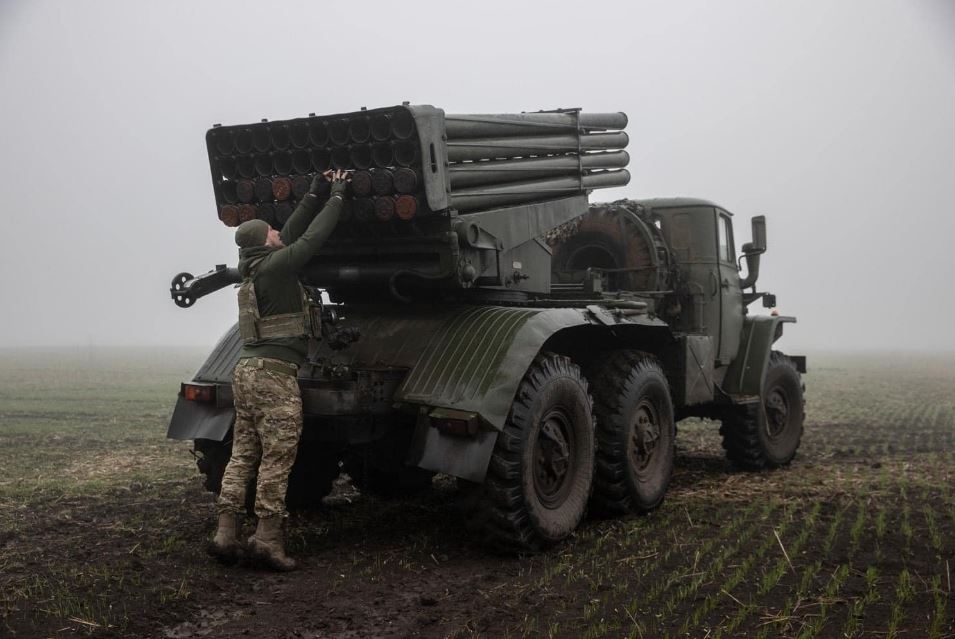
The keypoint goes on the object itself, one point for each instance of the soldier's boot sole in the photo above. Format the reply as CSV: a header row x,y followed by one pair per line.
x,y
225,553
268,556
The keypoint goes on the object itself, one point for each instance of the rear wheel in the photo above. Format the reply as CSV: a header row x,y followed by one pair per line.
x,y
767,434
541,471
635,433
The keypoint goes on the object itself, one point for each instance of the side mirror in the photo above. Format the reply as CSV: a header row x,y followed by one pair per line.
x,y
752,251
758,245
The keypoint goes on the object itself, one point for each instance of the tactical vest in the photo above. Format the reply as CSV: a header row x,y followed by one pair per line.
x,y
253,327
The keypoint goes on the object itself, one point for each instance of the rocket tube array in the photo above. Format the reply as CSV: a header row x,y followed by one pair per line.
x,y
263,169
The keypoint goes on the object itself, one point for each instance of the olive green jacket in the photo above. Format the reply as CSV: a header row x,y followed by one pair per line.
x,y
276,277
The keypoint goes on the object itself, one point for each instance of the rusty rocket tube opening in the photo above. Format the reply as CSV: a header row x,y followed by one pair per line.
x,y
384,208
406,207
281,188
361,183
382,182
245,191
246,213
229,215
406,180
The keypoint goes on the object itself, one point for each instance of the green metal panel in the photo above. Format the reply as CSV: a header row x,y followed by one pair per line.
x,y
748,370
477,358
459,363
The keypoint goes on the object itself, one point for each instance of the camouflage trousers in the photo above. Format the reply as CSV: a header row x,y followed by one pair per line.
x,y
268,424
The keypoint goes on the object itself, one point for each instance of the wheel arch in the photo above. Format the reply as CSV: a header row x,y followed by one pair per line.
x,y
747,372
450,375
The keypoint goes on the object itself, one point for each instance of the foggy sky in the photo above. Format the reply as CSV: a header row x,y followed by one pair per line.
x,y
834,119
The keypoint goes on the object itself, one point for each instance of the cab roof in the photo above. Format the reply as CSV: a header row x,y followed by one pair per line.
x,y
676,202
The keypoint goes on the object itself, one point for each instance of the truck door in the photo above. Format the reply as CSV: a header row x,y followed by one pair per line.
x,y
731,297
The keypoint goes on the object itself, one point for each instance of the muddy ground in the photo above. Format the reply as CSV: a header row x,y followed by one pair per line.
x,y
103,522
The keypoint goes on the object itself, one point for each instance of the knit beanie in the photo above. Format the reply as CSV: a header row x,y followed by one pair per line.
x,y
252,233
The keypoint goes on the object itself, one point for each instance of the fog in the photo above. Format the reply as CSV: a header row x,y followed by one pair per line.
x,y
835,120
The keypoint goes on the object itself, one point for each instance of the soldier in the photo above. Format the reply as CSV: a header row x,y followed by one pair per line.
x,y
276,319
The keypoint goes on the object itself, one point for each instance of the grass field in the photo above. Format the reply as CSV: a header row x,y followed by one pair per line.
x,y
102,522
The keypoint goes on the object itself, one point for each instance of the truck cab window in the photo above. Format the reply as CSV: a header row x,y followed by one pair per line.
x,y
725,238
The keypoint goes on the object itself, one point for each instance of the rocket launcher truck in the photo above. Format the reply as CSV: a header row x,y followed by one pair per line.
x,y
486,321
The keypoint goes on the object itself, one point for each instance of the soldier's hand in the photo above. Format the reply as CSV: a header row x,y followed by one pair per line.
x,y
339,180
319,184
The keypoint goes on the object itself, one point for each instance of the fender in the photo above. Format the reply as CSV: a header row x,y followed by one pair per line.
x,y
476,360
197,420
473,366
745,375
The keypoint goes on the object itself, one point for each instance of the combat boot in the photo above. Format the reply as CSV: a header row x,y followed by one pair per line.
x,y
225,545
268,545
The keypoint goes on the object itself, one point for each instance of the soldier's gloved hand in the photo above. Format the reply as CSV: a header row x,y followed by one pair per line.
x,y
338,188
319,185
339,180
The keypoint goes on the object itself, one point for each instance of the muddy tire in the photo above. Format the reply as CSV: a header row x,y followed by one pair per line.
x,y
311,477
540,475
767,434
635,433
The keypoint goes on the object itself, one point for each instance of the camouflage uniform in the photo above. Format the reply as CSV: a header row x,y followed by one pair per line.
x,y
268,423
268,406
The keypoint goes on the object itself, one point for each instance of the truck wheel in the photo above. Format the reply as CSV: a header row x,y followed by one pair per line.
x,y
767,434
541,471
635,433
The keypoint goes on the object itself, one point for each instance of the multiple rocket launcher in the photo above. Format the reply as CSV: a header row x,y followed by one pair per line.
x,y
409,162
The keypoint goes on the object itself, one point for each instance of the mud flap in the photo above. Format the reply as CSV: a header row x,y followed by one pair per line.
x,y
466,457
197,420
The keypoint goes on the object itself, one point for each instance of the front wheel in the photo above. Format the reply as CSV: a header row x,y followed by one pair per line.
x,y
767,434
541,471
635,433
